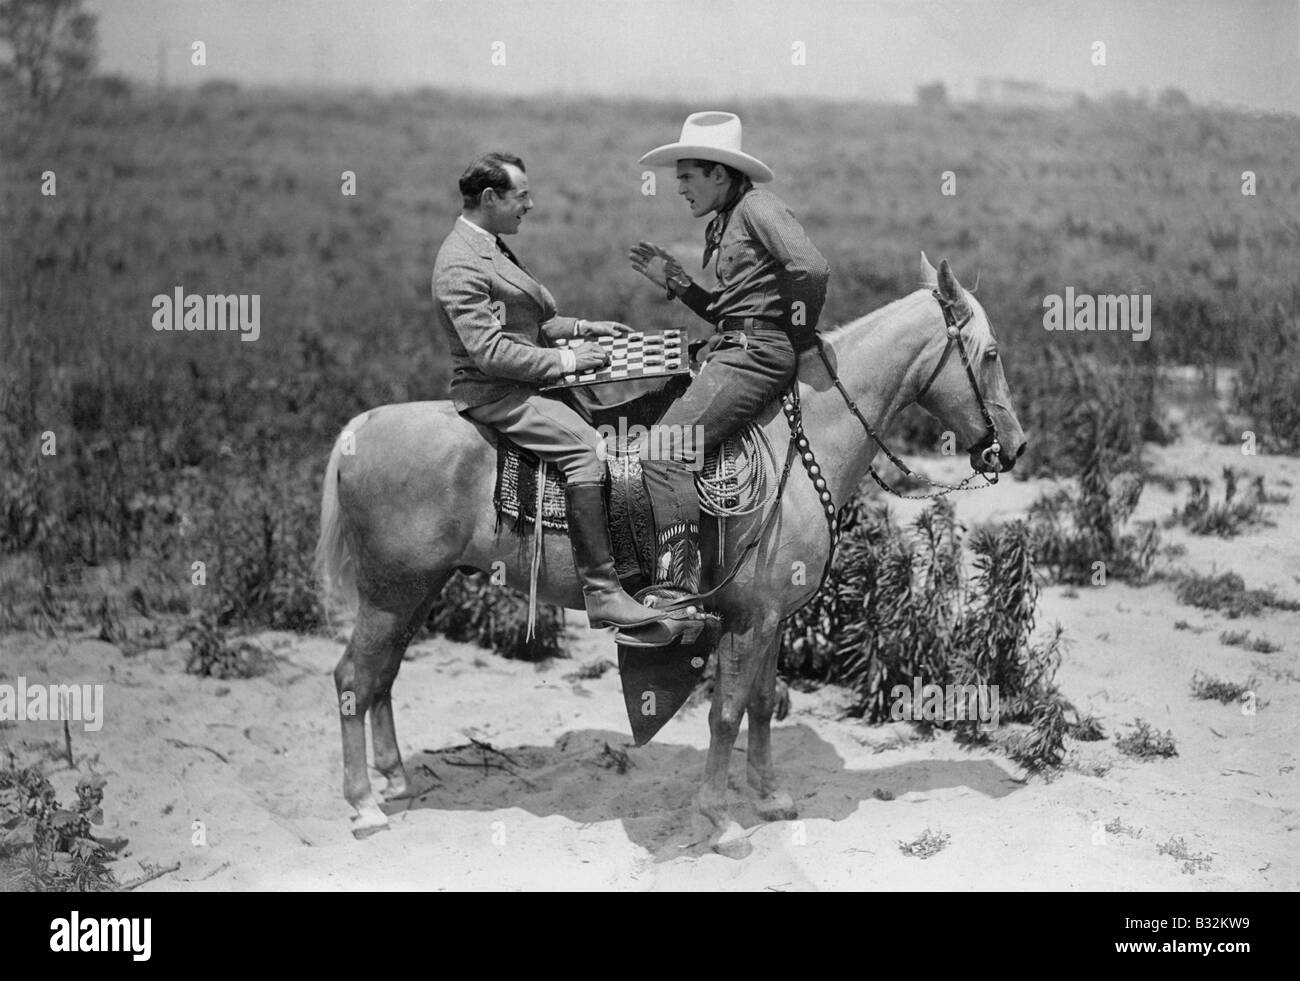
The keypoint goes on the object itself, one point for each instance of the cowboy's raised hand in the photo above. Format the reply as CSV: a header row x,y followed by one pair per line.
x,y
604,328
673,267
648,259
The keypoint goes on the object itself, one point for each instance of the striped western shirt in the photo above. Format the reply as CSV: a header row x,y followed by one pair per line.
x,y
765,264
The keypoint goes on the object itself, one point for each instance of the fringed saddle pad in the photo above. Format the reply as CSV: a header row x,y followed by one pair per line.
x,y
515,496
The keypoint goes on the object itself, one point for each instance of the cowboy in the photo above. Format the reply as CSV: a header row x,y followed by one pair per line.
x,y
771,286
501,323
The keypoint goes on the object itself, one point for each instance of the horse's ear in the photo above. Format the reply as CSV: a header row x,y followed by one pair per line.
x,y
950,289
929,277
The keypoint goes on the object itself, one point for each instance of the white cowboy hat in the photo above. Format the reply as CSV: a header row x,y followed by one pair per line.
x,y
710,136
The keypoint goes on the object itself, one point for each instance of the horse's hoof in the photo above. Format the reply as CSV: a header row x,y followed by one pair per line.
x,y
396,788
731,842
368,820
777,807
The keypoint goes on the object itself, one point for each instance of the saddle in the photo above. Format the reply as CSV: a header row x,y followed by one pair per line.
x,y
721,482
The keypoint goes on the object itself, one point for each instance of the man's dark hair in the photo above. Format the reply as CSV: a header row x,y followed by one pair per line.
x,y
487,171
708,165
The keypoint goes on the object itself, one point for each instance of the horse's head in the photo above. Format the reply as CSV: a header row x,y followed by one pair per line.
x,y
974,404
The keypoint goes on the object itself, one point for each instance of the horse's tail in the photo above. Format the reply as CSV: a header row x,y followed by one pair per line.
x,y
335,573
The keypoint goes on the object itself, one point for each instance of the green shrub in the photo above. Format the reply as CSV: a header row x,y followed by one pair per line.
x,y
472,608
45,847
927,844
1209,688
897,609
1227,519
1227,593
1077,529
1269,377
1144,742
1242,638
1176,848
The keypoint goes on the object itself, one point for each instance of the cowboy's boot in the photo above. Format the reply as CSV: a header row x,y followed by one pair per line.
x,y
607,604
677,567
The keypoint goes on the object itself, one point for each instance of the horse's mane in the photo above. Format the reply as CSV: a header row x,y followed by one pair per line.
x,y
978,333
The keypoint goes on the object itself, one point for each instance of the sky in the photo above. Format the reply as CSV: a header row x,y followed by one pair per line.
x,y
1235,52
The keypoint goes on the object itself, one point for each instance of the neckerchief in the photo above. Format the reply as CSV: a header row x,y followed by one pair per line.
x,y
718,224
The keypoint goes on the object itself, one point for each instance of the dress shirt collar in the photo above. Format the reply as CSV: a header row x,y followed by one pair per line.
x,y
482,231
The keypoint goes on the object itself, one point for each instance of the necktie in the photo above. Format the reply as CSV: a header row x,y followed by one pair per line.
x,y
507,253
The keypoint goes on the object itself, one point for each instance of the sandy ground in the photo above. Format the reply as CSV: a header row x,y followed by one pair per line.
x,y
258,761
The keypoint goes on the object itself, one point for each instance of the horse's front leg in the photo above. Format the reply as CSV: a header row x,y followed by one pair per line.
x,y
774,804
735,672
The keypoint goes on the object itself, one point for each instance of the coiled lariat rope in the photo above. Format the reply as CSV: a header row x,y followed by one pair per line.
x,y
750,486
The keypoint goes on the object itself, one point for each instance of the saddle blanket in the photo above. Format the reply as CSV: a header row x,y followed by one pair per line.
x,y
631,522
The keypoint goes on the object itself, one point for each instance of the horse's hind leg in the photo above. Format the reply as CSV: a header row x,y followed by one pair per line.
x,y
363,680
383,732
774,804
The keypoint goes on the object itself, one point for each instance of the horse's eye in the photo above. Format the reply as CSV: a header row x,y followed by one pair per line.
x,y
991,353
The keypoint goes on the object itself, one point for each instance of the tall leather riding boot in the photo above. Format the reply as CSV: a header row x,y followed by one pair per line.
x,y
677,557
607,604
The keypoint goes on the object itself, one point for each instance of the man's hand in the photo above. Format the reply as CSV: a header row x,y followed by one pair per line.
x,y
589,355
654,263
604,328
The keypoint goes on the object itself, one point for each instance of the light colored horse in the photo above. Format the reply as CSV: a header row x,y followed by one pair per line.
x,y
408,500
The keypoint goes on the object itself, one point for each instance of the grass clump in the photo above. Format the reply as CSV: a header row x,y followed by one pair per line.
x,y
1145,743
1227,593
1193,862
1117,826
1242,638
1227,518
928,843
1209,688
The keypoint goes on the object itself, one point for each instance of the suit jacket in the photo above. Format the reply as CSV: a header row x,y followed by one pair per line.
x,y
499,320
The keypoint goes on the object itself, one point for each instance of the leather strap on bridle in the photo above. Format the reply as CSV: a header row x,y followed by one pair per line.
x,y
955,338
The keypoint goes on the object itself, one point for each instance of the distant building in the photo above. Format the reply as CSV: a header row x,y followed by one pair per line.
x,y
1018,92
934,94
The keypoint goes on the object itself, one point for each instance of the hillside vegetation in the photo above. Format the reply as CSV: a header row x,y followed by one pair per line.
x,y
177,447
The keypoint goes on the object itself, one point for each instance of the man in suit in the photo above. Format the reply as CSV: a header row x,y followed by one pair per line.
x,y
501,323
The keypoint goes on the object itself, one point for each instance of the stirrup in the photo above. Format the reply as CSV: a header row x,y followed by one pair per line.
x,y
682,623
661,633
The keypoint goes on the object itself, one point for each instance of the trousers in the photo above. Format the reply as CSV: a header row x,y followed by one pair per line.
x,y
549,427
742,373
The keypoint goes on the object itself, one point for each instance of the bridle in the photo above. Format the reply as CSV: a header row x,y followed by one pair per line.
x,y
990,455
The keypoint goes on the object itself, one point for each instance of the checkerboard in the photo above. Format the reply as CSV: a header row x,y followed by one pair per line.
x,y
634,355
